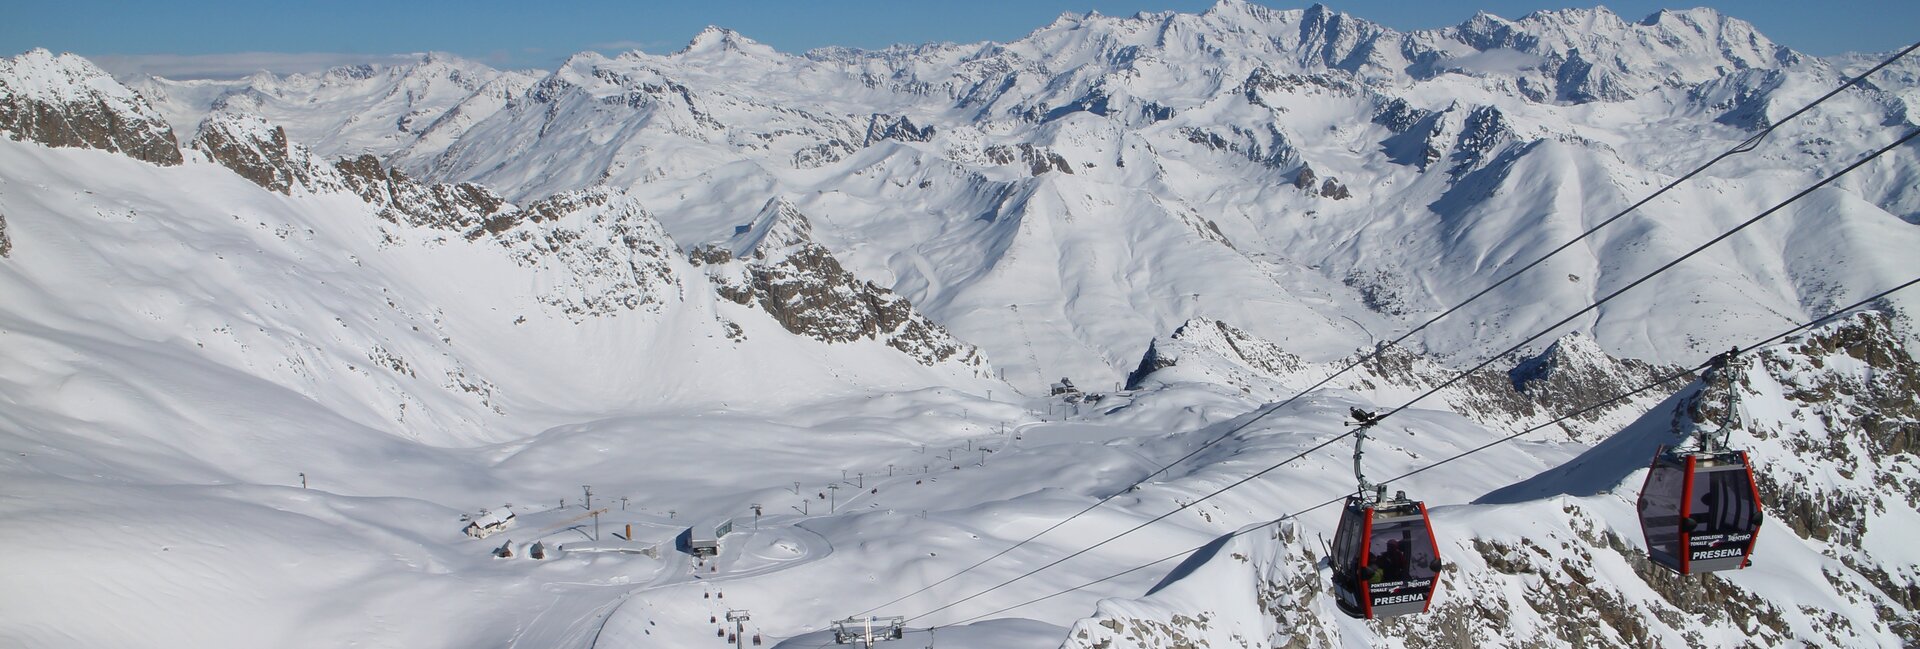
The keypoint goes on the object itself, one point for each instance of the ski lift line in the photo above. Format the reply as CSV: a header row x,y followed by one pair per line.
x,y
1663,268
1380,349
1163,469
1456,378
1137,528
1596,405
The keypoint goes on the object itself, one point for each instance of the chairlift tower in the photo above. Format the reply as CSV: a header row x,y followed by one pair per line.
x,y
738,618
865,632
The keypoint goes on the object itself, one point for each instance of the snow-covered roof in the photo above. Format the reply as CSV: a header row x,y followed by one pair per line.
x,y
490,517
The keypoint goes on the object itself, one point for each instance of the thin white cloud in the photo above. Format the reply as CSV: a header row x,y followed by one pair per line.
x,y
235,65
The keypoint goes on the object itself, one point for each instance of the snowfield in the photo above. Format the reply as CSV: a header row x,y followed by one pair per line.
x,y
267,345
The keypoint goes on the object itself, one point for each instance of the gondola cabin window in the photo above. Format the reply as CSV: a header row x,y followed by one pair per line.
x,y
1660,512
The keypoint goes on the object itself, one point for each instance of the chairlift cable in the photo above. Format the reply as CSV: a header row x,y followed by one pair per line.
x,y
1743,147
1669,378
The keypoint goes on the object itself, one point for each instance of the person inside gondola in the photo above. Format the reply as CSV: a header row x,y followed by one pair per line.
x,y
1390,563
1396,560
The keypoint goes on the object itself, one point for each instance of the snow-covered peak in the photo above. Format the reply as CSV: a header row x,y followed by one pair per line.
x,y
778,228
66,101
1246,9
41,75
1595,55
260,151
348,110
718,41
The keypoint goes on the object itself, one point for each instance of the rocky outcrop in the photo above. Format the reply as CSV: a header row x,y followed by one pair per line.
x,y
1305,180
1039,160
1570,375
889,127
601,252
1573,371
259,152
1850,422
775,264
463,207
66,101
1271,150
1204,344
6,244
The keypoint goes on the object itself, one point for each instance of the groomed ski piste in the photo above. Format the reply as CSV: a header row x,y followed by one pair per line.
x,y
246,403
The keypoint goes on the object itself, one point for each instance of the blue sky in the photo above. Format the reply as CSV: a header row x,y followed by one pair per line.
x,y
177,37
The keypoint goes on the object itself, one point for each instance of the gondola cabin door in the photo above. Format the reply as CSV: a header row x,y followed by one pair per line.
x,y
1385,559
1700,511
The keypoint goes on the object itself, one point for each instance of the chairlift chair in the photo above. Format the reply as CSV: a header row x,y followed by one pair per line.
x,y
1385,559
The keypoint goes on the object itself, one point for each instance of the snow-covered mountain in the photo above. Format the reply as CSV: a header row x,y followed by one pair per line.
x,y
352,110
1301,157
704,281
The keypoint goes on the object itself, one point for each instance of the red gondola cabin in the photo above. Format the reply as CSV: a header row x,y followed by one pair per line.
x,y
1700,511
1385,560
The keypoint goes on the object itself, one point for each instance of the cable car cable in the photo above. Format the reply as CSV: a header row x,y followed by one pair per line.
x,y
1663,268
1457,377
1589,408
1744,146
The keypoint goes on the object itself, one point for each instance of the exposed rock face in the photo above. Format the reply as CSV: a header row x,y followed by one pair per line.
x,y
605,253
463,207
6,244
1039,160
1331,187
259,152
775,264
1483,131
1271,149
1204,341
1852,420
1305,178
65,101
889,127
1573,371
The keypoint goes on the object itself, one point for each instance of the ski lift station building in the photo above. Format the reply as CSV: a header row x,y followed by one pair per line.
x,y
703,540
489,521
